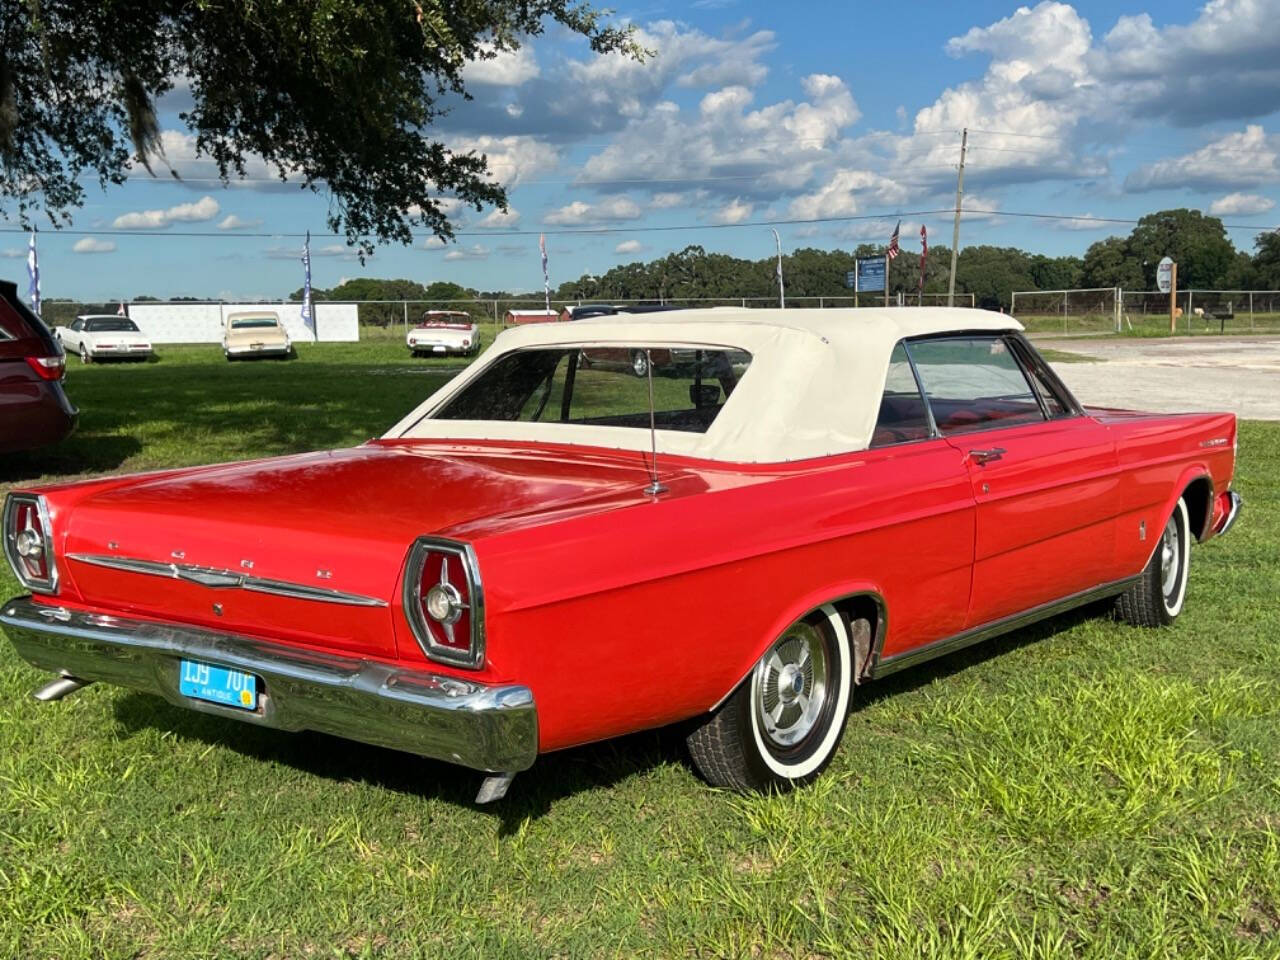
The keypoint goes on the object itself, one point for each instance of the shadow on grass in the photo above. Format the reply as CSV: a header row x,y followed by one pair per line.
x,y
922,675
554,776
80,453
532,795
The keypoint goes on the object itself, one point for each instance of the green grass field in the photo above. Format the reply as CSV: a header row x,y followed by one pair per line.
x,y
1079,789
1147,325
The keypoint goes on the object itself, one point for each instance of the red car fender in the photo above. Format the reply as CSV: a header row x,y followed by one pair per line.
x,y
834,593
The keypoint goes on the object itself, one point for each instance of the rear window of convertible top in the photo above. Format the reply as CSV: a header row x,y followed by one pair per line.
x,y
603,386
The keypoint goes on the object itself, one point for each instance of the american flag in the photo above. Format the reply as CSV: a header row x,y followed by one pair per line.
x,y
892,252
546,280
33,275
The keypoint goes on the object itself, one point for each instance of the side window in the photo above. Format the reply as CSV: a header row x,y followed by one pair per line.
x,y
1033,365
77,324
903,416
974,383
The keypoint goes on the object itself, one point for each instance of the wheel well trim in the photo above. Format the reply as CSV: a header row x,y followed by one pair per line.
x,y
810,604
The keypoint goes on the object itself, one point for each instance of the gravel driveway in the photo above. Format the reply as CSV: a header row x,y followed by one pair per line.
x,y
1240,374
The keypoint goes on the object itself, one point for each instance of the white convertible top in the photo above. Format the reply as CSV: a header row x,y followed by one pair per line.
x,y
813,387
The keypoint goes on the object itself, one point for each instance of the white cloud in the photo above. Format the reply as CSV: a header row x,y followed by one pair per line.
x,y
433,243
840,196
502,68
629,246
294,252
198,170
93,245
500,219
608,210
731,148
233,222
1241,204
1245,159
512,160
667,200
1082,223
735,211
475,252
206,208
13,253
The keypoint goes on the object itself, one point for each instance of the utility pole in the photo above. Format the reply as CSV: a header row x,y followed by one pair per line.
x,y
955,230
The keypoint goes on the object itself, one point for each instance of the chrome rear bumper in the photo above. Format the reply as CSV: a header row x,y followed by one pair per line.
x,y
486,727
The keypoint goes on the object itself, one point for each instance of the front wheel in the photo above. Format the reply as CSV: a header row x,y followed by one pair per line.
x,y
782,725
1157,597
85,356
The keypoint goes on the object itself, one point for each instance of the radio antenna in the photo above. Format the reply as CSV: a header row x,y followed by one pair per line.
x,y
655,487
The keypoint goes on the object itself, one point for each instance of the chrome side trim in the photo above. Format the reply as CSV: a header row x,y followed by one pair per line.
x,y
472,658
227,579
490,727
882,668
10,546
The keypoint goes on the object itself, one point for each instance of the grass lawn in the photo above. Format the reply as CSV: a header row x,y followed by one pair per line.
x,y
1081,788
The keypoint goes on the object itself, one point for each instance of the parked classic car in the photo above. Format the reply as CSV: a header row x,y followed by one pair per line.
x,y
542,555
34,409
103,336
442,332
255,333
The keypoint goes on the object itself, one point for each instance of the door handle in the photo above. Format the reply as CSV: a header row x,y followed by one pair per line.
x,y
987,456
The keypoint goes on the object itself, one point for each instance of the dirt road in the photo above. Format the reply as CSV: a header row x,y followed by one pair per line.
x,y
1240,374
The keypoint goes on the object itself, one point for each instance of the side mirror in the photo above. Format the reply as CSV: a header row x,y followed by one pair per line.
x,y
704,395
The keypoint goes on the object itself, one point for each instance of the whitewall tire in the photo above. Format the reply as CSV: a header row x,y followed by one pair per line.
x,y
783,724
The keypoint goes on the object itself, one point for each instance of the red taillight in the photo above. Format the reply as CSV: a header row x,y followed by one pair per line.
x,y
444,602
49,368
28,542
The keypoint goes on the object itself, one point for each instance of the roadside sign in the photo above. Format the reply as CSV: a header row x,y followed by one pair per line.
x,y
870,276
851,280
1164,275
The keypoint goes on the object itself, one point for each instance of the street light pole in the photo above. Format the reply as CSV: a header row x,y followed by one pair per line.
x,y
782,293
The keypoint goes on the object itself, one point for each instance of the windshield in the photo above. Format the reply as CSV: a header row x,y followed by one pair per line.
x,y
603,386
253,323
111,325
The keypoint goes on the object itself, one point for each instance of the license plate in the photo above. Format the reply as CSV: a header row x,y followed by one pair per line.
x,y
438,349
222,685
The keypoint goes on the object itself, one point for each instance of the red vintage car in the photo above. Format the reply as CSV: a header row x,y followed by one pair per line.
x,y
543,555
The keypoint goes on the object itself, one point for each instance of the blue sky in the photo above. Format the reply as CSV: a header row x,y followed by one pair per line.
x,y
752,112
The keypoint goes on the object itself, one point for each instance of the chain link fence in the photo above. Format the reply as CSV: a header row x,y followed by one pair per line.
x,y
1105,310
391,319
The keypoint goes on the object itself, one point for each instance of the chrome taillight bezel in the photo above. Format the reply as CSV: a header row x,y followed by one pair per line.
x,y
47,584
422,625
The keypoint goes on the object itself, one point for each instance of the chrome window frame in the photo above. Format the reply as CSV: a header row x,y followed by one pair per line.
x,y
473,658
49,586
1016,354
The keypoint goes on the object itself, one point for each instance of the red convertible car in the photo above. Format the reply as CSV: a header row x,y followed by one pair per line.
x,y
544,554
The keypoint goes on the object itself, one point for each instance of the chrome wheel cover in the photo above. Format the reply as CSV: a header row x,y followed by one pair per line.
x,y
1170,557
789,686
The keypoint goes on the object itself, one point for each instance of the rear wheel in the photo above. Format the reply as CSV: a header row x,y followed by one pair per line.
x,y
1156,599
781,727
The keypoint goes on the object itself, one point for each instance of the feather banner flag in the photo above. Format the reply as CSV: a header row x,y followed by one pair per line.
x,y
546,280
33,275
308,310
924,255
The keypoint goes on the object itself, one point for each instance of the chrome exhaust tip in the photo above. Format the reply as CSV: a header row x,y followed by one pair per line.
x,y
494,787
64,686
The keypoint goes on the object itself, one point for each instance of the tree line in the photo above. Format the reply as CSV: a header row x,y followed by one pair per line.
x,y
1206,259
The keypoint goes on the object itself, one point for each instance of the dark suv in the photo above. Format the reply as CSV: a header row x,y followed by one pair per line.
x,y
34,409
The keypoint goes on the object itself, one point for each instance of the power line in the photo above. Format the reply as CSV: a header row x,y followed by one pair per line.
x,y
660,228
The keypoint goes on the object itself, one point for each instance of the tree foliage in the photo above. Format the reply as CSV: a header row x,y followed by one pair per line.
x,y
339,96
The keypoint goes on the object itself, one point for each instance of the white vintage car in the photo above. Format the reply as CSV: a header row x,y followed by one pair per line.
x,y
99,336
255,333
442,332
